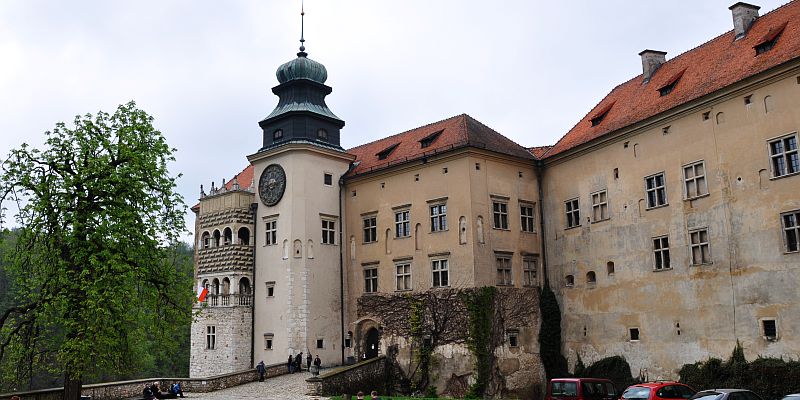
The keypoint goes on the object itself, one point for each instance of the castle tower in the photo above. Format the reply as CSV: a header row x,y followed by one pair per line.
x,y
222,332
298,275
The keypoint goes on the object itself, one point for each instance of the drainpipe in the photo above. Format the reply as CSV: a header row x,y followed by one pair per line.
x,y
539,167
341,266
253,209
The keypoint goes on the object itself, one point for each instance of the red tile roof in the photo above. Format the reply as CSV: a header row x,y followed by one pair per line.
x,y
707,68
458,131
539,151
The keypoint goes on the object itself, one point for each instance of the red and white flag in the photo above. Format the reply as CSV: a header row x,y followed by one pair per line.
x,y
202,292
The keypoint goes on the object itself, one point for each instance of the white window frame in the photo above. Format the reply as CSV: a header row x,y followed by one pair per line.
x,y
371,279
402,223
505,269
438,212
328,231
600,205
572,208
790,224
785,156
500,215
271,232
656,189
269,341
403,280
370,231
694,181
440,267
211,337
527,217
659,251
530,271
696,242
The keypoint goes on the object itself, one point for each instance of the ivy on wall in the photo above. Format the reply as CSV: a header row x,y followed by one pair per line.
x,y
555,365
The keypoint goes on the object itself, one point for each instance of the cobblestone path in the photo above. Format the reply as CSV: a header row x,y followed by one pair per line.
x,y
290,386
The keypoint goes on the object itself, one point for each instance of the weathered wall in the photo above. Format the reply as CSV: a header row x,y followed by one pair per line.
x,y
233,334
365,376
687,312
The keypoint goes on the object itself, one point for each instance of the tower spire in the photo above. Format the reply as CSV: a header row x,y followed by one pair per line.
x,y
302,52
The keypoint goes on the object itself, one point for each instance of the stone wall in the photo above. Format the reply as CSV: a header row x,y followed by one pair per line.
x,y
365,376
133,389
233,340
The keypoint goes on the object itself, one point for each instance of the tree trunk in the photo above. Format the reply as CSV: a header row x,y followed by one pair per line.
x,y
72,387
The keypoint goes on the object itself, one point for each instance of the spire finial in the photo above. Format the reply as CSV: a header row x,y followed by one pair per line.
x,y
302,52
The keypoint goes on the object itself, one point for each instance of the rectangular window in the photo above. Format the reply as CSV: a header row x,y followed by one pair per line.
x,y
211,337
701,251
600,206
573,213
320,343
271,289
328,179
328,232
529,270
504,272
513,336
661,252
438,217
268,341
770,329
402,224
634,332
500,212
785,159
271,233
403,276
526,217
694,180
370,280
791,230
656,190
440,273
370,229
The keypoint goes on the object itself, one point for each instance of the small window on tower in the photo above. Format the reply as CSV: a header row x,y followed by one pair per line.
x,y
278,134
320,343
328,179
322,134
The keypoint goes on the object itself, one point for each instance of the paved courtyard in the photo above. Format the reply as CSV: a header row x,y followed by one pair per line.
x,y
291,386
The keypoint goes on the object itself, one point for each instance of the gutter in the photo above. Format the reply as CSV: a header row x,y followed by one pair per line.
x,y
539,167
341,265
253,209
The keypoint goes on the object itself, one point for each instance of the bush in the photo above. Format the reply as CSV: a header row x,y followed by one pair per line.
x,y
616,369
770,378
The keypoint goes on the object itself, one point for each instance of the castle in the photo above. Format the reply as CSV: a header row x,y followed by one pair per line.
x,y
667,220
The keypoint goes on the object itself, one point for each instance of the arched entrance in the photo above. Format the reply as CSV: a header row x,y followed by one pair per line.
x,y
371,343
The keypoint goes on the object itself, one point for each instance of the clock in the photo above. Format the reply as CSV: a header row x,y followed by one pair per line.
x,y
272,184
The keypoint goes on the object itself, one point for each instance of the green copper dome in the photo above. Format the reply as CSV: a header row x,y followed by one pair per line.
x,y
302,67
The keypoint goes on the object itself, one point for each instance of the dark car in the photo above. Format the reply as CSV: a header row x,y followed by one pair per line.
x,y
581,389
725,394
658,390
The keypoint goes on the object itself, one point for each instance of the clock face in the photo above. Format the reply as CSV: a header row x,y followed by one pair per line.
x,y
272,184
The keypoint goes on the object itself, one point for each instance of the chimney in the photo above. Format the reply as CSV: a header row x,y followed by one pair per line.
x,y
651,60
743,16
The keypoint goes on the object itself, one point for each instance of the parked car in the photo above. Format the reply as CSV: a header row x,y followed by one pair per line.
x,y
725,394
658,390
581,389
794,396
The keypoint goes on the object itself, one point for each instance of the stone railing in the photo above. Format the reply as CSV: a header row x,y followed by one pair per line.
x,y
365,376
133,389
227,300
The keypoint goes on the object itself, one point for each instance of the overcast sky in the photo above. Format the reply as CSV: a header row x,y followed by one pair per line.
x,y
204,69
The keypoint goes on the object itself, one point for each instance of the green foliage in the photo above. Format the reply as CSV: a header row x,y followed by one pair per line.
x,y
555,365
771,378
101,288
615,368
580,368
480,306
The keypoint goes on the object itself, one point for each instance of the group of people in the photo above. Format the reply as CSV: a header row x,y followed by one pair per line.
x,y
372,396
295,364
153,391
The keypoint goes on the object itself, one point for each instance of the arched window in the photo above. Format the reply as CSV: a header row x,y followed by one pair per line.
x,y
228,235
720,118
216,238
244,236
205,240
215,286
591,277
226,286
769,104
205,284
610,267
569,281
244,287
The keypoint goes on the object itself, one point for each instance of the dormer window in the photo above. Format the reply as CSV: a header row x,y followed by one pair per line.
x,y
428,140
322,134
600,115
277,135
769,40
667,88
383,154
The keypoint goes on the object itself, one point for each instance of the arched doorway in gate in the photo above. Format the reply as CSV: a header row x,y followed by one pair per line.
x,y
371,343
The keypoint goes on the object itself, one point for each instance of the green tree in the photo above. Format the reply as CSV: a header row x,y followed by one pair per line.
x,y
98,216
555,365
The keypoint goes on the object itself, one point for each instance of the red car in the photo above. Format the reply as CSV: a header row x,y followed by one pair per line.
x,y
658,390
581,389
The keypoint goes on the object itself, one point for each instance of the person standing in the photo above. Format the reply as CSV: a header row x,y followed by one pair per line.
x,y
317,362
261,370
309,359
298,362
289,364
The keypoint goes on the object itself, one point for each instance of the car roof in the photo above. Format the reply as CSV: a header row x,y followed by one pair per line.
x,y
657,384
579,380
725,390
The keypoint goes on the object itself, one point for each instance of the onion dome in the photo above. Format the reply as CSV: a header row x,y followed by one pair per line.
x,y
302,67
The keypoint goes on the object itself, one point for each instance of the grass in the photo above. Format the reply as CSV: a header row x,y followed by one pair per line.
x,y
387,398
